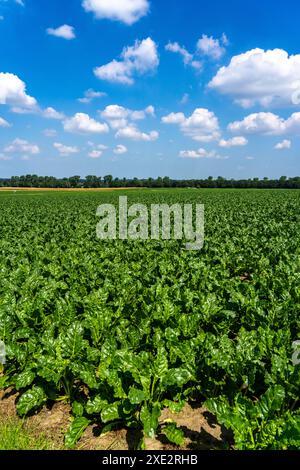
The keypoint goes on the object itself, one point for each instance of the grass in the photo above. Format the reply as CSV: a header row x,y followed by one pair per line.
x,y
15,435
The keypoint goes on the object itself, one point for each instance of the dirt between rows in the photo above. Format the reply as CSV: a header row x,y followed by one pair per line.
x,y
200,428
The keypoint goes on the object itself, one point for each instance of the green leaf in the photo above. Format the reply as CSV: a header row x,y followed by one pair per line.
x,y
110,412
271,401
72,341
136,396
177,377
173,434
95,406
77,409
160,364
25,379
30,400
75,431
174,406
149,418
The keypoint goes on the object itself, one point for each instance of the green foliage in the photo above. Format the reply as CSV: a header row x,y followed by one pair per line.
x,y
123,329
173,434
75,431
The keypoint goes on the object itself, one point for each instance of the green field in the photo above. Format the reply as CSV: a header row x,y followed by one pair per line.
x,y
124,329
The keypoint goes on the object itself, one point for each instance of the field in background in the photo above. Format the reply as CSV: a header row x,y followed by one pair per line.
x,y
124,335
64,189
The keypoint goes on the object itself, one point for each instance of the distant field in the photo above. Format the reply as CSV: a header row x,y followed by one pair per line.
x,y
125,334
66,189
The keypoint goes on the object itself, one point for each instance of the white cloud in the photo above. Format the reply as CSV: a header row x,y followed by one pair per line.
x,y
48,113
13,92
65,31
267,124
51,113
20,110
211,47
5,158
22,146
285,144
174,118
115,111
90,95
97,146
50,132
234,142
82,123
267,78
131,132
20,2
201,153
259,123
150,110
4,123
202,125
118,116
120,150
126,11
65,150
188,58
185,99
95,153
139,59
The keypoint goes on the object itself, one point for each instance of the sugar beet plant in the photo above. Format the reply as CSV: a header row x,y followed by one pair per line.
x,y
123,329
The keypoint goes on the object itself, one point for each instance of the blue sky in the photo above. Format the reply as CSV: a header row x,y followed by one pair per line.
x,y
146,88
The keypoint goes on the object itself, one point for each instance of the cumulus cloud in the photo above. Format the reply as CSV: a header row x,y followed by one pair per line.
x,y
51,113
13,92
267,78
140,59
211,47
201,153
188,58
82,123
95,153
202,125
267,124
285,144
65,31
131,132
50,132
22,146
120,150
234,142
65,150
126,11
90,95
4,123
118,116
48,113
174,118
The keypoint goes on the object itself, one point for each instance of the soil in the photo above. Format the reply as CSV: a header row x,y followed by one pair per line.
x,y
201,430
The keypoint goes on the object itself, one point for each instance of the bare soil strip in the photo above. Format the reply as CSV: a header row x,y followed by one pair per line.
x,y
200,428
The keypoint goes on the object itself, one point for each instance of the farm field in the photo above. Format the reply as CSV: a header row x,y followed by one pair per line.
x,y
121,336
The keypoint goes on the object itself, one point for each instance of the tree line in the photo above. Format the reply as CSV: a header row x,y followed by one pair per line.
x,y
108,181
